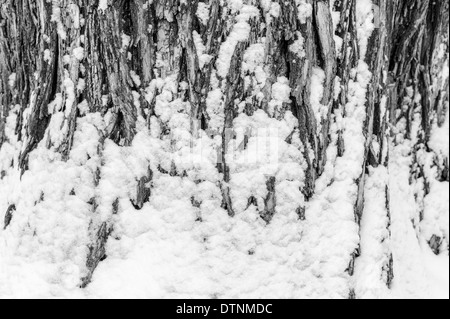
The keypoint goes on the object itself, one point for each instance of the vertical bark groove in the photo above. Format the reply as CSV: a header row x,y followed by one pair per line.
x,y
139,70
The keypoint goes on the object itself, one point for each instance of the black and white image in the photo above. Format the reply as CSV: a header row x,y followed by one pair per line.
x,y
224,149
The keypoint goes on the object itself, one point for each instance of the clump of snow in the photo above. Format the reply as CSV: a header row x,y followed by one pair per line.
x,y
47,55
103,5
203,58
254,57
66,59
81,85
365,23
317,88
418,272
12,80
371,267
439,140
215,109
166,106
56,17
305,250
203,12
83,107
281,93
305,10
253,62
69,87
235,5
239,33
51,245
136,79
281,90
78,53
298,47
266,5
436,213
126,40
275,10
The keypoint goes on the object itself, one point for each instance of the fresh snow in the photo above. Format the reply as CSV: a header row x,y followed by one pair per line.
x,y
103,5
174,248
203,12
239,33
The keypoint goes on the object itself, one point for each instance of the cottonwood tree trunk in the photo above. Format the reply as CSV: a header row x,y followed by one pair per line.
x,y
356,78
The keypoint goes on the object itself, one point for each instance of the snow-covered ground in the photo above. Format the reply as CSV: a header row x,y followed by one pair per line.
x,y
182,243
164,250
418,272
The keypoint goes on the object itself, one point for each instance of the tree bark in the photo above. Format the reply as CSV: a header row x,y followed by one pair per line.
x,y
130,62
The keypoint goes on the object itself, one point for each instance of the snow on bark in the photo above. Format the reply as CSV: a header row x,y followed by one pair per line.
x,y
374,262
267,145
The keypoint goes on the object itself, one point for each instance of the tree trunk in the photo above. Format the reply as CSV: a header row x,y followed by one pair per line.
x,y
201,115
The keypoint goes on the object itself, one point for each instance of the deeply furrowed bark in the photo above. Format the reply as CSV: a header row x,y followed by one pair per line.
x,y
155,40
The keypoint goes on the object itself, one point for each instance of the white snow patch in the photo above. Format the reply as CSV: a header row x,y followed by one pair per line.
x,y
305,10
203,58
298,47
239,33
203,11
103,5
78,53
439,140
365,23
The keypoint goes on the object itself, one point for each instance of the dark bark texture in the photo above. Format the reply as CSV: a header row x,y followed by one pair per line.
x,y
89,59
